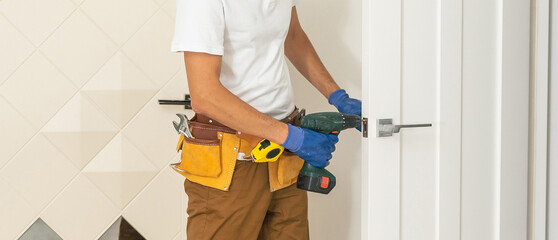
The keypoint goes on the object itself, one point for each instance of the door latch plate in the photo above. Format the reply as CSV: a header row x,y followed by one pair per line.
x,y
365,127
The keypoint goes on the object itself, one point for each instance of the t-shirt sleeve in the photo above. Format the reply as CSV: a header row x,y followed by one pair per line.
x,y
199,26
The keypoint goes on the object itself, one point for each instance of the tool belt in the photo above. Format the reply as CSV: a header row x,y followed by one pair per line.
x,y
210,157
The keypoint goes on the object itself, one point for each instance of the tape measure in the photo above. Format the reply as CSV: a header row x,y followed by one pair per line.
x,y
267,151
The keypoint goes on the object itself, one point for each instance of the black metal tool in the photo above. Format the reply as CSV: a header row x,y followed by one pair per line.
x,y
186,102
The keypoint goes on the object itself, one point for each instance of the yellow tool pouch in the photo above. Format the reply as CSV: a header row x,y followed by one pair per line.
x,y
209,162
284,171
201,157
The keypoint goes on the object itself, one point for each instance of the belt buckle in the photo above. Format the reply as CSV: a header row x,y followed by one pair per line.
x,y
298,118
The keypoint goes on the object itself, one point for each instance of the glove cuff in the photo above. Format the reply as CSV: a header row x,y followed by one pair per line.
x,y
294,139
336,98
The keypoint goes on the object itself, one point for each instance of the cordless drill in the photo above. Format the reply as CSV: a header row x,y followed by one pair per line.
x,y
315,179
310,178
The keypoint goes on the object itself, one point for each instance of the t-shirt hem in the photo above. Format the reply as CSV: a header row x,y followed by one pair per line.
x,y
204,49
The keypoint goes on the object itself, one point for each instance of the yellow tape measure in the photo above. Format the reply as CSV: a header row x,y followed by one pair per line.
x,y
267,151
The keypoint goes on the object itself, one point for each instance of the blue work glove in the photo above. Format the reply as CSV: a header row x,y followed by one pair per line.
x,y
341,100
315,148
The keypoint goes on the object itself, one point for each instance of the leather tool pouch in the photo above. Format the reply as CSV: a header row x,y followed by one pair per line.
x,y
201,157
209,158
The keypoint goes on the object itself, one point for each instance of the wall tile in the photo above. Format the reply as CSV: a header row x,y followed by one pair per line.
x,y
17,213
37,90
181,236
170,8
128,231
112,232
78,2
118,26
178,184
120,106
39,172
154,121
15,48
121,229
16,131
120,170
36,19
119,73
162,2
157,211
120,89
81,211
39,230
78,40
177,86
80,130
156,60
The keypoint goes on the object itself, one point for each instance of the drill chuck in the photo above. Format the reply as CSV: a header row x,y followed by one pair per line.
x,y
330,122
351,121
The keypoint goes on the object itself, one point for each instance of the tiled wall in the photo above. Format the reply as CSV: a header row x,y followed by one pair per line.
x,y
83,140
84,145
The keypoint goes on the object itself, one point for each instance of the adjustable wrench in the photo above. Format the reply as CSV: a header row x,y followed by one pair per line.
x,y
184,126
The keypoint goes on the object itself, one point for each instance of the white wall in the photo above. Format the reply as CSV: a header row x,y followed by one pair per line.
x,y
334,27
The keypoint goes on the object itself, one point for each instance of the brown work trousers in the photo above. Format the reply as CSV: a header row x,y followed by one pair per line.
x,y
248,210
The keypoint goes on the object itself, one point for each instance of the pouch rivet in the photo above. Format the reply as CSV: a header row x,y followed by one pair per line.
x,y
220,135
225,188
210,121
234,148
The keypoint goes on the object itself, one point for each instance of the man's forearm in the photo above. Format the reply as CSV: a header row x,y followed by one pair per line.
x,y
212,99
228,109
303,56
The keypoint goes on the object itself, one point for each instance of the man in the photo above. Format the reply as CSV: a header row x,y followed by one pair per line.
x,y
234,53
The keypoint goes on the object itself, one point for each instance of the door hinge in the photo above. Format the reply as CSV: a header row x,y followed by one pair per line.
x,y
365,127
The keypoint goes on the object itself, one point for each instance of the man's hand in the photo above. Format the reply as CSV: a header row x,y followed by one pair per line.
x,y
341,100
315,148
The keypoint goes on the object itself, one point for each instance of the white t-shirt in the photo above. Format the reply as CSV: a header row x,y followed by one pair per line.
x,y
250,35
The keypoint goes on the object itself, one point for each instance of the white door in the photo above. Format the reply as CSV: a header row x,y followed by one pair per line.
x,y
463,66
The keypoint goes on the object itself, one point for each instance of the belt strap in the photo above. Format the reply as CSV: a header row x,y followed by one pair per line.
x,y
294,118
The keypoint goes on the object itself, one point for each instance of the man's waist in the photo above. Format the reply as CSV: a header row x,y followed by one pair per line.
x,y
293,119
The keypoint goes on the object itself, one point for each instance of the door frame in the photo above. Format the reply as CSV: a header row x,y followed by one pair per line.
x,y
538,139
